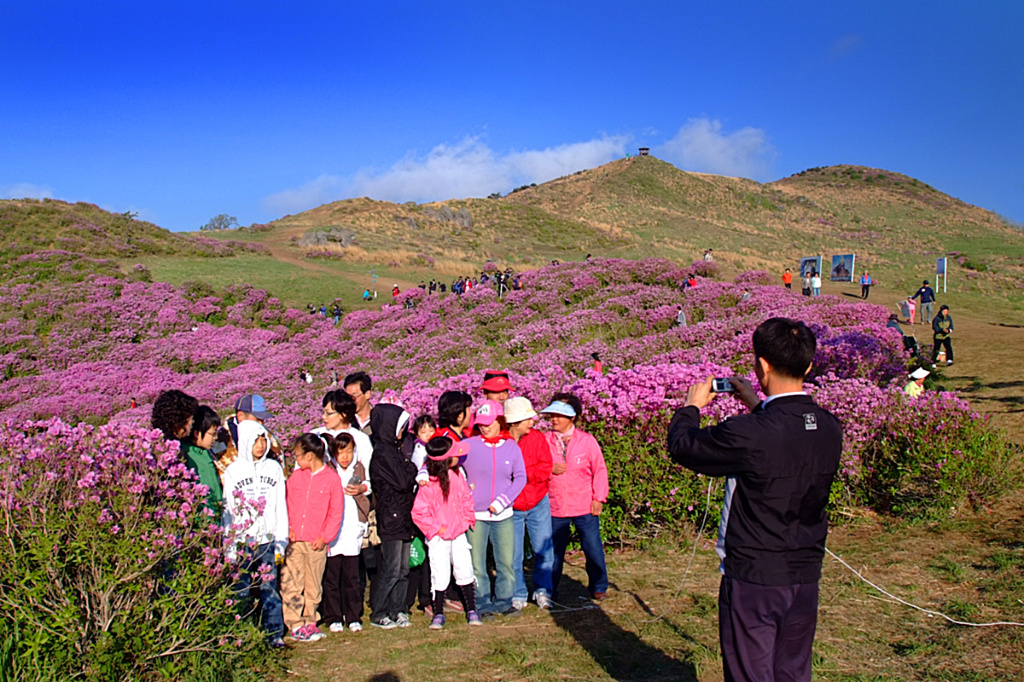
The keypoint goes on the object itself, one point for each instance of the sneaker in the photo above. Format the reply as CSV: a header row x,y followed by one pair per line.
x,y
276,643
355,627
402,621
543,600
384,623
474,618
337,627
519,604
948,363
437,622
313,633
453,605
300,634
428,611
599,596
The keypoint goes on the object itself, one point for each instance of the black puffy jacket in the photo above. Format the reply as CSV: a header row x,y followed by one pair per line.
x,y
393,476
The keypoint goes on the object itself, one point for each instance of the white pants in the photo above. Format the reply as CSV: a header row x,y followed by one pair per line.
x,y
446,554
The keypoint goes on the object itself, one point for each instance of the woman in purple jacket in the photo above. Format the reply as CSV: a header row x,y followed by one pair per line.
x,y
496,474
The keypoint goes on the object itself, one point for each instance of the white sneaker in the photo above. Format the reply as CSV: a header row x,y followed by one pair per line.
x,y
355,627
543,600
519,604
314,633
337,627
402,621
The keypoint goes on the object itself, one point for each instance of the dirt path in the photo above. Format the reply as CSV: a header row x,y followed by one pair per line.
x,y
989,367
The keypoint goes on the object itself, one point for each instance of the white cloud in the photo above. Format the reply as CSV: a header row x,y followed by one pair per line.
x,y
468,168
25,190
845,46
701,146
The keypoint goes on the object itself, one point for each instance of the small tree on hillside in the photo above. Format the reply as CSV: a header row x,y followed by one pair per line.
x,y
221,222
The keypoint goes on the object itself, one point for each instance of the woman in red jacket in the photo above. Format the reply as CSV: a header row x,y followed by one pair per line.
x,y
532,509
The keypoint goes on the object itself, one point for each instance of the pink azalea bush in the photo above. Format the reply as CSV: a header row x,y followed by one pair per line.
x,y
112,566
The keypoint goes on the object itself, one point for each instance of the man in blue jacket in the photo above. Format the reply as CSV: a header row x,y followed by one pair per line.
x,y
779,461
927,297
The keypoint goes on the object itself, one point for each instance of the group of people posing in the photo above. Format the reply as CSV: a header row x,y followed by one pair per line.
x,y
356,501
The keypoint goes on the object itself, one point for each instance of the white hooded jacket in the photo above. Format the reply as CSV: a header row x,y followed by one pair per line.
x,y
260,479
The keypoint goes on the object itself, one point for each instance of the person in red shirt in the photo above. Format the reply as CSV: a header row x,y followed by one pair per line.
x,y
787,279
532,509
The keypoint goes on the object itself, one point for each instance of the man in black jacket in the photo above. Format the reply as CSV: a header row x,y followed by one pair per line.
x,y
394,485
779,461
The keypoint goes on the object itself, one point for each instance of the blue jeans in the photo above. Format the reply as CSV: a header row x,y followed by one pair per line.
x,y
271,615
588,527
538,522
501,535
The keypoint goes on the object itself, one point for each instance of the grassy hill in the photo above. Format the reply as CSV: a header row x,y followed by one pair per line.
x,y
638,207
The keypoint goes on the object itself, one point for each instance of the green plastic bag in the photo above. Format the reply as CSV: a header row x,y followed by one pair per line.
x,y
417,552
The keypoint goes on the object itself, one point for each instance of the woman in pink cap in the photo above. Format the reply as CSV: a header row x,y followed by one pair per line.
x,y
496,474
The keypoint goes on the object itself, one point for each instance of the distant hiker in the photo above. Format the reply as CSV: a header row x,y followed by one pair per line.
x,y
692,281
805,284
927,296
942,328
597,367
909,342
916,385
323,311
746,295
865,285
680,317
422,285
336,312
910,308
366,295
311,308
816,283
394,291
433,286
444,287
787,279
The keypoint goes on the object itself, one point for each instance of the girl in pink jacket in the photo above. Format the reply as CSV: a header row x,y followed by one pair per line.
x,y
315,506
444,512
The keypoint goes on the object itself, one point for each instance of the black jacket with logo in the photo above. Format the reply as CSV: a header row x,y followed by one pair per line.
x,y
783,458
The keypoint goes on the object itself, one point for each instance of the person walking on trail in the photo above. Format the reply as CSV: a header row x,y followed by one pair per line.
x,y
865,285
927,296
787,279
779,460
942,328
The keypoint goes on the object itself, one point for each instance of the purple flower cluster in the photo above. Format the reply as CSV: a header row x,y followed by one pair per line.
x,y
85,354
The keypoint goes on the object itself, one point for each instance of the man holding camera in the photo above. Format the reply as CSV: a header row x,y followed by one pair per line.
x,y
779,461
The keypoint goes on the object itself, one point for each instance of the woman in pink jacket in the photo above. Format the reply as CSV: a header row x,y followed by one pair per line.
x,y
443,510
578,491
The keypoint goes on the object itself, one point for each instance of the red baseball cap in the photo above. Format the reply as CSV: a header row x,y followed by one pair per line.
x,y
495,381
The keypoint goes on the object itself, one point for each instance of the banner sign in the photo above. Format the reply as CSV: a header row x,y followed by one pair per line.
x,y
842,268
809,265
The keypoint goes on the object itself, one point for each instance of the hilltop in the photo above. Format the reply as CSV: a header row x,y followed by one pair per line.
x,y
633,208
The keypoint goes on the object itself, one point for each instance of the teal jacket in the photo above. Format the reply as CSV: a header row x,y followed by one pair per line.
x,y
200,461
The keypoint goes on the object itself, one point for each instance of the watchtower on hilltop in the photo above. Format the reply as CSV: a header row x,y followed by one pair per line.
x,y
645,151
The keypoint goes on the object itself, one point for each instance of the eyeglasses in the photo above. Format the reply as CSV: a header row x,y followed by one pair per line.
x,y
328,413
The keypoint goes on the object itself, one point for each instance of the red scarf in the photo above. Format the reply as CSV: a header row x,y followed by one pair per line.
x,y
504,435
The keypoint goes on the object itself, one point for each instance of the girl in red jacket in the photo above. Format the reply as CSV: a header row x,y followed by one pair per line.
x,y
444,512
315,505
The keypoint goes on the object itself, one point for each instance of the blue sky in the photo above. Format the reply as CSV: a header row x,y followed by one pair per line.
x,y
184,110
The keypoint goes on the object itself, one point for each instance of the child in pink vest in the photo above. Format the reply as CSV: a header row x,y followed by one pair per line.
x,y
444,512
